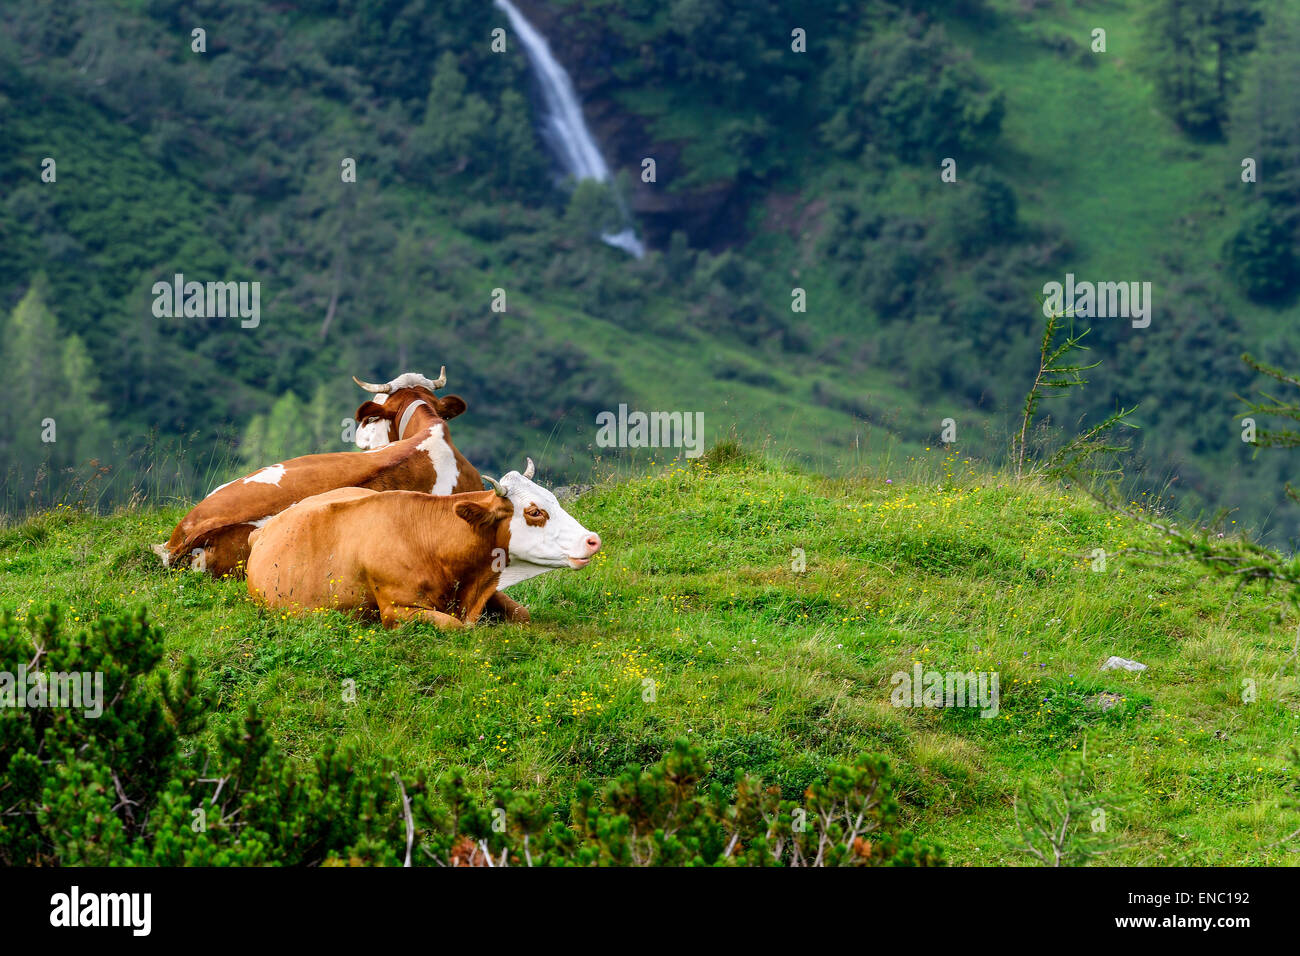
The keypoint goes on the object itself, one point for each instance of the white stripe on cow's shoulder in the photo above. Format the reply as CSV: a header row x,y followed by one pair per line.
x,y
219,487
269,475
439,451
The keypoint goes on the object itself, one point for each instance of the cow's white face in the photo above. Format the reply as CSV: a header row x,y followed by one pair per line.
x,y
375,434
542,534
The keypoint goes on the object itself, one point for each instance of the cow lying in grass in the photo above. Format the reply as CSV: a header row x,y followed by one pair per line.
x,y
213,537
412,556
404,429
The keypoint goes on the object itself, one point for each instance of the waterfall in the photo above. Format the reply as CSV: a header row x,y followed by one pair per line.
x,y
563,128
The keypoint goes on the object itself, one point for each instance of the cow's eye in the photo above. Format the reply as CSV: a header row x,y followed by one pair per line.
x,y
534,512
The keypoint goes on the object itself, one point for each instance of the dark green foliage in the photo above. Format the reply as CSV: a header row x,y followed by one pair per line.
x,y
79,789
1195,53
911,93
125,788
983,213
58,430
1261,256
593,210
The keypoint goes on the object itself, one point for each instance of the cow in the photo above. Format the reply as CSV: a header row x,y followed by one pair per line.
x,y
213,537
391,412
413,556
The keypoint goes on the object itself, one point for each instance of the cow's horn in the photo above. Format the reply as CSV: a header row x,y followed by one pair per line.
x,y
407,380
528,472
496,486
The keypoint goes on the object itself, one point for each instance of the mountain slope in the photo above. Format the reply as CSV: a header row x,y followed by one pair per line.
x,y
778,171
770,668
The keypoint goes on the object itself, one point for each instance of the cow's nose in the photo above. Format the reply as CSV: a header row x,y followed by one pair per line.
x,y
593,543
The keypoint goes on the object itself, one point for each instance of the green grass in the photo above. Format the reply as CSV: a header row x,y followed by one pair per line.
x,y
772,670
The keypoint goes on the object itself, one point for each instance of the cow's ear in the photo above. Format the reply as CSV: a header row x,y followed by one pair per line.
x,y
368,411
476,515
449,406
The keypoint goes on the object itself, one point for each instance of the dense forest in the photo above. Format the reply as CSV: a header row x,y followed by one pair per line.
x,y
814,277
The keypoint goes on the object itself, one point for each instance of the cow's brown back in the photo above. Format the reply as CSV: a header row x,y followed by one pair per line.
x,y
397,552
219,525
308,556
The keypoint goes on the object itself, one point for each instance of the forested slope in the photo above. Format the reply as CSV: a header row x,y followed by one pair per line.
x,y
776,170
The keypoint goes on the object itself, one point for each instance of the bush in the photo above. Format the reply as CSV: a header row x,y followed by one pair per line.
x,y
913,94
129,787
1261,257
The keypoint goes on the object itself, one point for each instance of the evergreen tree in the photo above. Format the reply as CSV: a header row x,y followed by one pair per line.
x,y
593,209
1262,255
1195,53
31,362
56,424
456,124
1231,27
281,433
1176,52
1270,131
84,432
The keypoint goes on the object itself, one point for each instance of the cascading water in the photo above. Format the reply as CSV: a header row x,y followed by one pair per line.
x,y
563,127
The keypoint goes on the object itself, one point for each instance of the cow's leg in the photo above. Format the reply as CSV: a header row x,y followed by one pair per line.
x,y
228,552
395,615
508,608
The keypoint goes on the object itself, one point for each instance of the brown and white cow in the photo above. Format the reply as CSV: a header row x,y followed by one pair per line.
x,y
213,537
412,556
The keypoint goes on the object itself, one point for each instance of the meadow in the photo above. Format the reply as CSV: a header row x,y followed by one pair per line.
x,y
760,611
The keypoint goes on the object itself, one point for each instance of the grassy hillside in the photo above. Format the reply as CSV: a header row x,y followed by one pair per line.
x,y
768,668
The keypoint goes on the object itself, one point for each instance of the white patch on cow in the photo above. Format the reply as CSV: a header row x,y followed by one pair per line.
x,y
559,543
517,571
260,521
379,398
373,436
270,475
219,487
439,451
